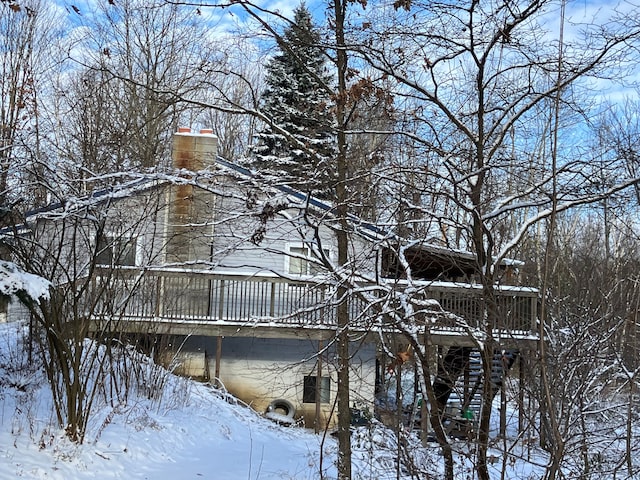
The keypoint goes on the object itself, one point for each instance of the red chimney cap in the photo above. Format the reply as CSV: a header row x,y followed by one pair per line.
x,y
184,130
206,131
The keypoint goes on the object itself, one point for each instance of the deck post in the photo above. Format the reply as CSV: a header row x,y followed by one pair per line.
x,y
318,392
218,360
424,411
503,401
521,380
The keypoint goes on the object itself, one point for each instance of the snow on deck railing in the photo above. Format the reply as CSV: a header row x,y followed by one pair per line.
x,y
212,296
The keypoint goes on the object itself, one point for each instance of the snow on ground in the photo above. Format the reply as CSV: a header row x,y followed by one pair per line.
x,y
191,431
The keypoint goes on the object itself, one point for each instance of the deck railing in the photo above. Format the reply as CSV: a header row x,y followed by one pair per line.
x,y
516,308
205,296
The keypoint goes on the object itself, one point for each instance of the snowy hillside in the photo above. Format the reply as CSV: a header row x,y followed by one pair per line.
x,y
190,432
186,431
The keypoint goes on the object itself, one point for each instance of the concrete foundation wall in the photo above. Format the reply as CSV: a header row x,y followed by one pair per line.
x,y
259,371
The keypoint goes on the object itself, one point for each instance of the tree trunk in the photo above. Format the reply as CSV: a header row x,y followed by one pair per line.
x,y
344,414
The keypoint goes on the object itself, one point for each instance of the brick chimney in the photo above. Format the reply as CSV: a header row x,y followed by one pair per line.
x,y
188,206
194,151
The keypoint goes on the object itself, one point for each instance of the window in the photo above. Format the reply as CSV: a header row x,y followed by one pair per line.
x,y
297,265
309,392
114,250
302,266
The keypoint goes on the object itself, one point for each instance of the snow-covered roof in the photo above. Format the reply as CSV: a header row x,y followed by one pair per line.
x,y
366,229
73,203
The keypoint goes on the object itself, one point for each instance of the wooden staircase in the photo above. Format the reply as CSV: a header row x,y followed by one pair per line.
x,y
460,382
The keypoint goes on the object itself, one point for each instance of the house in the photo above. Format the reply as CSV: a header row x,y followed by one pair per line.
x,y
229,281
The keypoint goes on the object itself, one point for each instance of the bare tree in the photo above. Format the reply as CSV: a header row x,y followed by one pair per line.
x,y
480,74
145,56
28,35
84,252
474,81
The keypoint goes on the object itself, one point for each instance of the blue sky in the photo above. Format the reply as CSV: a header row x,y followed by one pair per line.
x,y
231,20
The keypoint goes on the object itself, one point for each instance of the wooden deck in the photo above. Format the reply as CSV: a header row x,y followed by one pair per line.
x,y
200,302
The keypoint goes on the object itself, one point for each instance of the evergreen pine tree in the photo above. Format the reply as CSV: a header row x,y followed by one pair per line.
x,y
295,101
